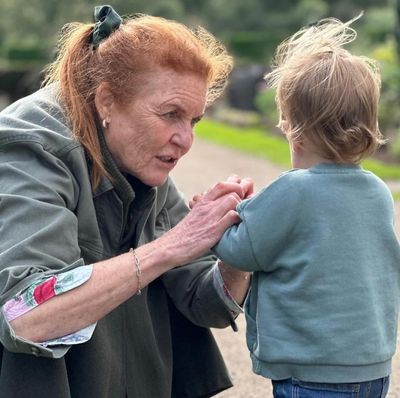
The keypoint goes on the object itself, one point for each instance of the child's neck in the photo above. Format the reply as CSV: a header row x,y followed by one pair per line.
x,y
308,159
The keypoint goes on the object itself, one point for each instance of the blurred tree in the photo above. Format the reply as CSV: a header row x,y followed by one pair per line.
x,y
377,25
251,29
308,11
344,9
266,106
173,9
37,22
387,57
234,15
397,27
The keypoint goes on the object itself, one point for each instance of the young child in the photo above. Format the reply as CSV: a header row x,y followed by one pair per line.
x,y
322,312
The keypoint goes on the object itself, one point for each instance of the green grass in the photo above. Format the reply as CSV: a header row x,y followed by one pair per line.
x,y
383,170
249,140
274,148
396,195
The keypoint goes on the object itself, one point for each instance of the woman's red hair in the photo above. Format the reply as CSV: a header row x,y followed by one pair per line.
x,y
121,60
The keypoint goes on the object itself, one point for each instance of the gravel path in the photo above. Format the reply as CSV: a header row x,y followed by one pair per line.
x,y
206,164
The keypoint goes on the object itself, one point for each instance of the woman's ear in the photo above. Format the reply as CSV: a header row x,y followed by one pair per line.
x,y
104,100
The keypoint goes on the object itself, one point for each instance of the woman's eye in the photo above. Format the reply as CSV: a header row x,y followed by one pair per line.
x,y
171,115
195,121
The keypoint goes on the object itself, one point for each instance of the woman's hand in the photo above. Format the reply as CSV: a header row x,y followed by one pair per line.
x,y
246,184
212,213
236,281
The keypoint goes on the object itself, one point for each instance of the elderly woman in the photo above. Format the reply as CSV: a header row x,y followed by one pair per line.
x,y
94,300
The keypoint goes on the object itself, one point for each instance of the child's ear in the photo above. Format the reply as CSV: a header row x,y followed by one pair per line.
x,y
283,125
298,145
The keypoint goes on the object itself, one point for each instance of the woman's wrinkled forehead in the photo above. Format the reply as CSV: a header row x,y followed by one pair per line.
x,y
165,85
146,42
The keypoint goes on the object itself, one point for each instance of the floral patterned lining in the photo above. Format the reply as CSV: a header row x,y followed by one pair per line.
x,y
43,289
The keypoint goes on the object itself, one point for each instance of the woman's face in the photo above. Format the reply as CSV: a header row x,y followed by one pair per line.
x,y
147,136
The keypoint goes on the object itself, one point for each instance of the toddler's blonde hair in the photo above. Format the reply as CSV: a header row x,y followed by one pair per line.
x,y
328,96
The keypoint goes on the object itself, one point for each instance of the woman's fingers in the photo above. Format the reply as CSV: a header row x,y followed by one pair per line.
x,y
243,187
230,218
202,227
206,215
229,202
217,191
195,199
233,178
223,188
214,209
247,185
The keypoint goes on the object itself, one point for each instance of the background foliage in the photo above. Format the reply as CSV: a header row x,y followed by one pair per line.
x,y
251,29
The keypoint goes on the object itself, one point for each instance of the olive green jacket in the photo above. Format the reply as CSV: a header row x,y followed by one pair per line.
x,y
155,345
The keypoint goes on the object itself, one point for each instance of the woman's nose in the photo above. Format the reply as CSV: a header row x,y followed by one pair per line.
x,y
183,138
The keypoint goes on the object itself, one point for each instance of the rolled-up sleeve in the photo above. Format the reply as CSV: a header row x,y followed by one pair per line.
x,y
42,290
38,229
224,293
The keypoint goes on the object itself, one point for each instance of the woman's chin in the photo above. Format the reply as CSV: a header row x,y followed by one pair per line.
x,y
155,181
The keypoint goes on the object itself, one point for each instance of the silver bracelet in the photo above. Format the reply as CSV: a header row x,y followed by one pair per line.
x,y
138,272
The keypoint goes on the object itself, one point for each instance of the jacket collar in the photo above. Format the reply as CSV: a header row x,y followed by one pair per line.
x,y
122,187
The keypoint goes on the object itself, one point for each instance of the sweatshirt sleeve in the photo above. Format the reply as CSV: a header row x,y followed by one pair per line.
x,y
268,221
235,247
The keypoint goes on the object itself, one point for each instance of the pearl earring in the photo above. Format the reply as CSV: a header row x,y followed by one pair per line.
x,y
105,123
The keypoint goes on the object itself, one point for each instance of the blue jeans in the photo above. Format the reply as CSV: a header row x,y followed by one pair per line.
x,y
294,388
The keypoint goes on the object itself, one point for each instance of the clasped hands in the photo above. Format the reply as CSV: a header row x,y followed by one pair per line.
x,y
212,212
235,186
237,189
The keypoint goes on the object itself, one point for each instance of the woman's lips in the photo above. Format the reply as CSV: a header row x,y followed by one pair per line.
x,y
169,161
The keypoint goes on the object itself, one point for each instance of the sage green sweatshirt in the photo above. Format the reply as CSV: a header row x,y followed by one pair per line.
x,y
324,301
